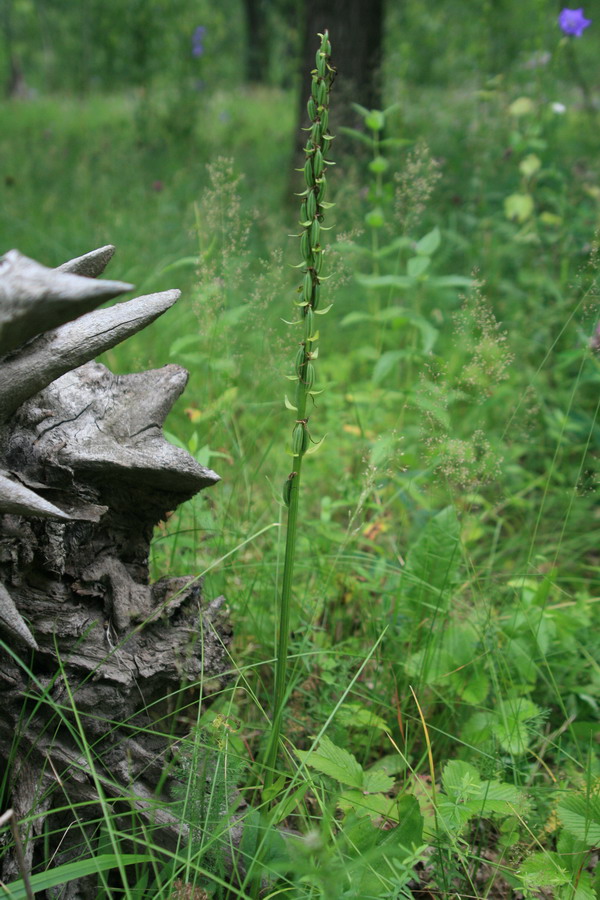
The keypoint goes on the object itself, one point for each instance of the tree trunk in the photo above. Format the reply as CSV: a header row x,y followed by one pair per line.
x,y
356,33
257,41
95,662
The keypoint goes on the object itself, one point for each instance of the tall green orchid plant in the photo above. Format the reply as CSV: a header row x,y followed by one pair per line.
x,y
312,213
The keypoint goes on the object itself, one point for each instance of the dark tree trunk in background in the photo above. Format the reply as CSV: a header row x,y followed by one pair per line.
x,y
356,32
257,41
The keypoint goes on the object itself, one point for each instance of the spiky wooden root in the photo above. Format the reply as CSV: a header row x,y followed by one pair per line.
x,y
94,653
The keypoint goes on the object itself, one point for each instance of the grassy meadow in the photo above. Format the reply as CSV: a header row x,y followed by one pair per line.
x,y
440,733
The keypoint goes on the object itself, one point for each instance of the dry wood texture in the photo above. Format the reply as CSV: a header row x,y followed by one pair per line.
x,y
89,645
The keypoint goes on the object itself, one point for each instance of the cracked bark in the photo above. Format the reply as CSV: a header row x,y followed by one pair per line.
x,y
90,648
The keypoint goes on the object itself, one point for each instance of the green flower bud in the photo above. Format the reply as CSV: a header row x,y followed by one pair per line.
x,y
322,189
318,262
311,206
304,215
324,116
311,107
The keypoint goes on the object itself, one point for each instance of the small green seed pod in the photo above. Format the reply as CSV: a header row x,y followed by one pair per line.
x,y
304,215
322,189
311,107
315,231
308,172
311,206
309,323
305,247
317,163
300,361
324,116
309,376
321,63
299,439
315,89
307,287
316,297
317,265
322,92
287,488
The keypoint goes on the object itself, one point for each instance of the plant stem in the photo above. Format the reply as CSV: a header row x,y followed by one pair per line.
x,y
312,214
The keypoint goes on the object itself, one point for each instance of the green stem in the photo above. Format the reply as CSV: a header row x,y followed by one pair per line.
x,y
284,628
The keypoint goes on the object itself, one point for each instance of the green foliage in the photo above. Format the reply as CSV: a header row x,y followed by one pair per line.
x,y
449,552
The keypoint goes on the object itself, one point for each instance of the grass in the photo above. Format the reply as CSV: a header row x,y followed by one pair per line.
x,y
444,686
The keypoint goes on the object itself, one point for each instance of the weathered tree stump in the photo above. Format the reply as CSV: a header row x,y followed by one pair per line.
x,y
90,646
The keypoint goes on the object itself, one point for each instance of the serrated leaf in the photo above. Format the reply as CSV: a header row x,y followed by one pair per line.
x,y
376,806
580,816
543,870
377,782
334,761
434,557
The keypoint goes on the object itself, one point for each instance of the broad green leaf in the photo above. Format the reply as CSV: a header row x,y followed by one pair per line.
x,y
530,165
518,207
357,135
460,281
385,281
417,266
334,761
429,243
522,106
386,364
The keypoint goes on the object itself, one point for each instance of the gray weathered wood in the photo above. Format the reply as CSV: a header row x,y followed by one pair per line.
x,y
85,475
34,299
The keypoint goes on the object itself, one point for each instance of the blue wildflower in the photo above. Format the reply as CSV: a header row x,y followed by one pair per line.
x,y
198,41
573,22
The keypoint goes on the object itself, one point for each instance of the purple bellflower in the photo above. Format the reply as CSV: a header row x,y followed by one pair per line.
x,y
197,41
573,22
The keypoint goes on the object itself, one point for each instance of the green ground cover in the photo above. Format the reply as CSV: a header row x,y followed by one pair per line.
x,y
444,665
